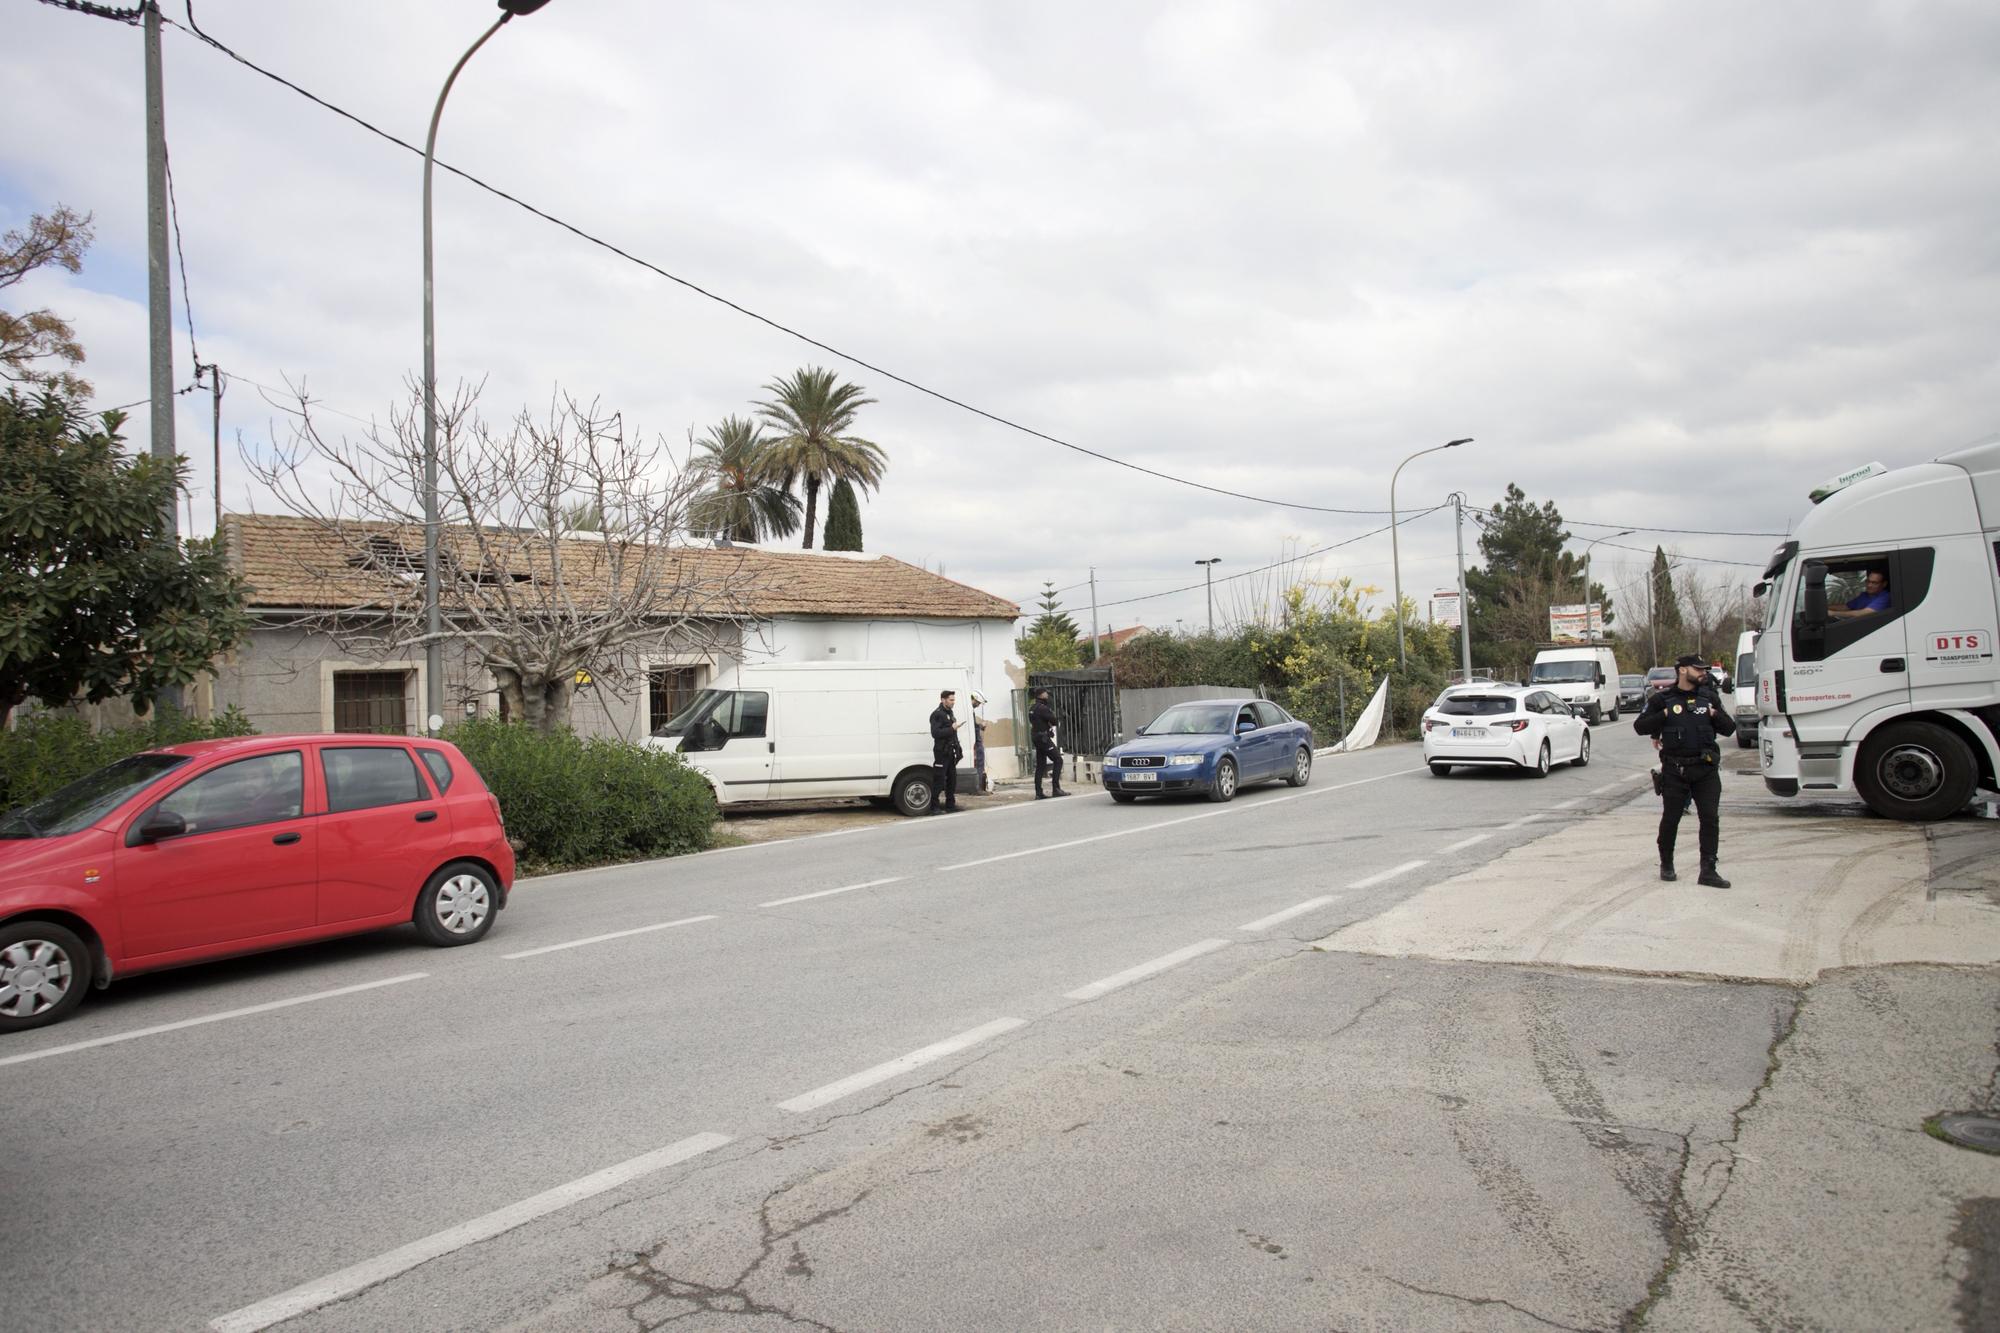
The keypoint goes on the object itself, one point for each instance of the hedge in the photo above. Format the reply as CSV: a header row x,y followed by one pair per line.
x,y
572,802
46,751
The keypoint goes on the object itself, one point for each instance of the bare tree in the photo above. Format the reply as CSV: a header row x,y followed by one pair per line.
x,y
529,596
1717,607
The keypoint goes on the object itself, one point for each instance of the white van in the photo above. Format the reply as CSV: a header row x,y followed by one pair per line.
x,y
820,730
1743,701
1584,676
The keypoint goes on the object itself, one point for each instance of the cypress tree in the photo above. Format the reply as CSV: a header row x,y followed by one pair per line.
x,y
843,519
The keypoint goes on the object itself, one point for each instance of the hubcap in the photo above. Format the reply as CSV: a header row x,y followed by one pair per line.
x,y
1305,765
1912,772
462,904
1586,745
34,977
917,796
1226,779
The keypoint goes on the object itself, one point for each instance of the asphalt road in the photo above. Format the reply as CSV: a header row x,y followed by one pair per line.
x,y
654,1089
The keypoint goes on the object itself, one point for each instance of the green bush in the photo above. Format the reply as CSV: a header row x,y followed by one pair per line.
x,y
575,802
51,750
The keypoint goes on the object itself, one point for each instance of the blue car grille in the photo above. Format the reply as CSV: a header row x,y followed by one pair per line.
x,y
1142,761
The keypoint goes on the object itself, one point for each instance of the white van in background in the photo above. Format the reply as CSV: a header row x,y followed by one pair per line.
x,y
1585,676
1743,692
820,730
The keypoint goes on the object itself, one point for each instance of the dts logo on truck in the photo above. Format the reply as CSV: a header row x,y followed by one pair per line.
x,y
1958,647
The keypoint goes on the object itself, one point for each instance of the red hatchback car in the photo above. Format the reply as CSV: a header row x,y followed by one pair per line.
x,y
234,846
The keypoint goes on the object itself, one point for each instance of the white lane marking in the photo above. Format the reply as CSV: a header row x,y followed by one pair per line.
x,y
1565,805
1524,819
1607,787
1266,922
1464,843
348,1281
1385,876
244,1012
614,935
828,893
854,1083
1144,970
1169,823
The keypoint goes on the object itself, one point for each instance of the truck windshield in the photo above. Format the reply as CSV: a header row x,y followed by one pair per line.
x,y
703,704
1562,673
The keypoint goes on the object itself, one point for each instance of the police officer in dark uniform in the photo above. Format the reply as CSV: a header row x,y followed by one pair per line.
x,y
945,754
1687,719
1042,728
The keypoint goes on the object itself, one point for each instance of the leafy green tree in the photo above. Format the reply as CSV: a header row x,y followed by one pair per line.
x,y
843,518
98,599
813,414
747,497
1051,641
1667,622
34,336
1526,571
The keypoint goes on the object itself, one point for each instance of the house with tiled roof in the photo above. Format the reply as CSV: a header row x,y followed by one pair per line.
x,y
308,666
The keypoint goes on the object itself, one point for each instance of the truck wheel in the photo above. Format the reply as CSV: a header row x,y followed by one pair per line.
x,y
913,792
1916,771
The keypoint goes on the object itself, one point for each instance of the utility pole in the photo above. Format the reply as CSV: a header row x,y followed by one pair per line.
x,y
159,287
1208,568
1096,644
214,374
1464,604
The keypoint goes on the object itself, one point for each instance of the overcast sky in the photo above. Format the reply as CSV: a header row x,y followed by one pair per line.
x,y
1669,264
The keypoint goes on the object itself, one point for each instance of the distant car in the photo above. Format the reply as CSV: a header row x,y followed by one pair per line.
x,y
201,851
1660,678
1632,691
1526,728
1214,747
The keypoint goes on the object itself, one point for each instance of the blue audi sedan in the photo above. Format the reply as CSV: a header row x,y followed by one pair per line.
x,y
1213,747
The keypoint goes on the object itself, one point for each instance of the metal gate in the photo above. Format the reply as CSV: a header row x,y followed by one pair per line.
x,y
1086,706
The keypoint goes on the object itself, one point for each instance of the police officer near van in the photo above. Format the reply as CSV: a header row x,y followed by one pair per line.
x,y
1042,729
945,754
1687,719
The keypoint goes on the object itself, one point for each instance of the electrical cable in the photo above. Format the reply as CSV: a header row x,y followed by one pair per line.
x,y
187,302
127,16
1277,564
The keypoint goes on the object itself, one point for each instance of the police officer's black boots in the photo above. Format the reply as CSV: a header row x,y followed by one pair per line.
x,y
1711,876
1667,872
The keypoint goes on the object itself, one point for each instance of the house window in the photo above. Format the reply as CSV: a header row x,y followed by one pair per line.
x,y
669,690
370,701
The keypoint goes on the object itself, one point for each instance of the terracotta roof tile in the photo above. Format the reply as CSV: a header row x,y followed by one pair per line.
x,y
293,562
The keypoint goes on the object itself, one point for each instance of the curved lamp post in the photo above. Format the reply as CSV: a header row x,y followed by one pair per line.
x,y
1209,570
1586,573
1395,547
433,617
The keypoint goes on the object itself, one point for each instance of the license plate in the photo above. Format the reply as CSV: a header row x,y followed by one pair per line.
x,y
1470,733
1142,777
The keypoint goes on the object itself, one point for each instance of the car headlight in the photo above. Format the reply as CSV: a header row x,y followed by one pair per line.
x,y
1184,760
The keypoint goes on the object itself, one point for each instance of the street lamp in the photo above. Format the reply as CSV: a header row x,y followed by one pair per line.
x,y
1209,569
433,617
1586,573
1395,547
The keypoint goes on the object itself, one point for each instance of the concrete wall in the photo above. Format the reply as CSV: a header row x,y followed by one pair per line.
x,y
1136,708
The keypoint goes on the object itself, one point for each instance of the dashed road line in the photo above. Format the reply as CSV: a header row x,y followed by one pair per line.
x,y
1464,843
1144,970
902,1064
1385,876
828,893
244,1012
614,935
350,1281
1266,922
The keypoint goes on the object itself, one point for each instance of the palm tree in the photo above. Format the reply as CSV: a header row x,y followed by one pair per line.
x,y
749,500
813,414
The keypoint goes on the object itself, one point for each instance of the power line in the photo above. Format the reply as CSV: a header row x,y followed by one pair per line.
x,y
1277,564
128,16
850,357
1688,532
174,212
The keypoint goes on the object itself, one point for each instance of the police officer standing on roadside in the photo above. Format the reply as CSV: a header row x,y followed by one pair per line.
x,y
1042,727
1687,719
945,754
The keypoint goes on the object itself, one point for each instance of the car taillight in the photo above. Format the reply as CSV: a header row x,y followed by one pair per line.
x,y
1428,724
1518,724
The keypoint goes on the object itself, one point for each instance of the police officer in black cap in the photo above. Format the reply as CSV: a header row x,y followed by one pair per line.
x,y
1687,719
1042,726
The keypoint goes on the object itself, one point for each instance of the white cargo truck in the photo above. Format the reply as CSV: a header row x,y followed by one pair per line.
x,y
818,731
1584,676
1875,668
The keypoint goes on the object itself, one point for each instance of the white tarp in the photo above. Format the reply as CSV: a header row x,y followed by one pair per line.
x,y
1368,726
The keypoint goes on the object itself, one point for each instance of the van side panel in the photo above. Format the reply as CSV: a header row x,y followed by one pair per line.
x,y
831,742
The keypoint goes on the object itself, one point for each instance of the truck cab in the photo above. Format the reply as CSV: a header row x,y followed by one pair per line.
x,y
1876,668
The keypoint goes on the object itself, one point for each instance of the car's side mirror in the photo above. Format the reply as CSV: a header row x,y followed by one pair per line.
x,y
160,825
1139,731
1242,727
1813,613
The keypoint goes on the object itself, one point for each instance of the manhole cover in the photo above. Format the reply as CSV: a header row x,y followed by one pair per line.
x,y
1968,1130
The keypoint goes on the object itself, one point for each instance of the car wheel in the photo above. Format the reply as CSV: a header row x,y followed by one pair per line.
x,y
1541,768
1583,752
1744,742
1611,716
457,906
1593,715
44,971
913,792
1123,797
1915,770
1302,768
1223,788
1440,770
